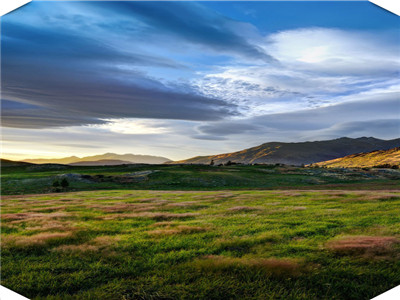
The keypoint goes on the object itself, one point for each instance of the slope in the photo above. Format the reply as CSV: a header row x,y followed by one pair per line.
x,y
298,153
387,158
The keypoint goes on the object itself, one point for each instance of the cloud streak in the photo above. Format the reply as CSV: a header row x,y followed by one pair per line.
x,y
344,119
192,23
182,77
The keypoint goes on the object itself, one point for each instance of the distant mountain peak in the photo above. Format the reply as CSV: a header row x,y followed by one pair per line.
x,y
111,157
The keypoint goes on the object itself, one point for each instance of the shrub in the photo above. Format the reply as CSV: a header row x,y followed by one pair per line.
x,y
64,183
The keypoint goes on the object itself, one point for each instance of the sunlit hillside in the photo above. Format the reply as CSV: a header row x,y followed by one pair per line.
x,y
380,158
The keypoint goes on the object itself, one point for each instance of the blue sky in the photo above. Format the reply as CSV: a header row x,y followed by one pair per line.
x,y
284,15
180,79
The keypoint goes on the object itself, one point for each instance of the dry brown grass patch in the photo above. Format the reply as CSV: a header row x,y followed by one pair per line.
x,y
225,195
51,225
368,246
48,209
292,194
372,197
145,208
273,266
30,216
35,240
124,207
382,197
163,224
243,208
273,203
100,243
70,200
148,199
182,204
17,216
105,240
299,208
161,232
118,208
110,198
151,215
181,229
333,193
76,248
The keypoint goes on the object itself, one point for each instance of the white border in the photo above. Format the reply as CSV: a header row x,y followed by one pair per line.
x,y
10,5
7,294
390,5
393,294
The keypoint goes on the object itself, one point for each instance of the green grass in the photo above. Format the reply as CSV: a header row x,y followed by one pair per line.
x,y
248,244
39,179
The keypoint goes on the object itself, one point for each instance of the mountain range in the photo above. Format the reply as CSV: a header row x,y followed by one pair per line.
x,y
103,159
297,153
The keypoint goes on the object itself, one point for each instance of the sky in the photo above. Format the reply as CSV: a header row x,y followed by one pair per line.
x,y
181,79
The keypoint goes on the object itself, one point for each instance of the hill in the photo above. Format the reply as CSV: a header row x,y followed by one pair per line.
x,y
11,163
388,158
298,153
127,158
101,162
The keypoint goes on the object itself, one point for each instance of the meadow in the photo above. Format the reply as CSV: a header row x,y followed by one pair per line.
x,y
224,244
33,179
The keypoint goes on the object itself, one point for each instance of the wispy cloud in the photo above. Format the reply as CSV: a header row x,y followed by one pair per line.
x,y
181,77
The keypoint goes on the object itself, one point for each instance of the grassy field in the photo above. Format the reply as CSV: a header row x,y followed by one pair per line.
x,y
39,178
248,244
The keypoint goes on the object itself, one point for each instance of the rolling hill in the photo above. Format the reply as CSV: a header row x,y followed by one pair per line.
x,y
297,153
101,162
125,158
387,158
11,163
